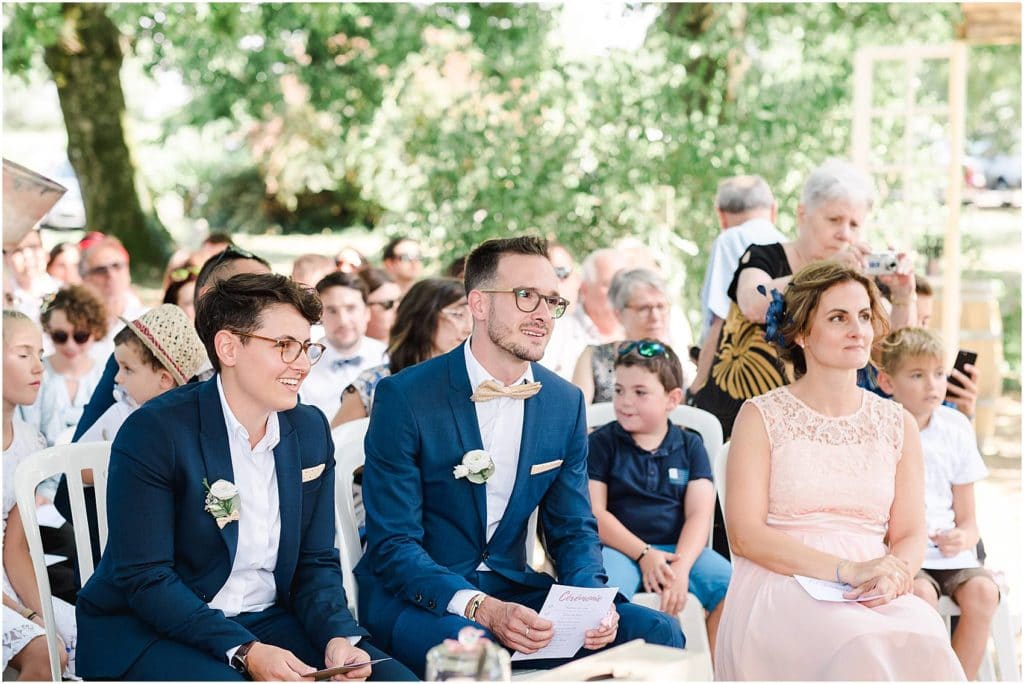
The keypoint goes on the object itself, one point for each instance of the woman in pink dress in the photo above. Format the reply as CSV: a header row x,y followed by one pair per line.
x,y
826,480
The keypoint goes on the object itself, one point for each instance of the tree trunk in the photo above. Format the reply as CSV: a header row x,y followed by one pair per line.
x,y
86,65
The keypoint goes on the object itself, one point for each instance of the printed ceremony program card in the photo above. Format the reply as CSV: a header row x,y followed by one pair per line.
x,y
573,611
824,590
934,560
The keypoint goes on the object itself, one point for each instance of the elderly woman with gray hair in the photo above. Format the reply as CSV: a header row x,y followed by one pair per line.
x,y
833,208
638,298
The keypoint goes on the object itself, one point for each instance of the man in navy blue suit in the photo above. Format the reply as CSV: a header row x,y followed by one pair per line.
x,y
460,451
220,563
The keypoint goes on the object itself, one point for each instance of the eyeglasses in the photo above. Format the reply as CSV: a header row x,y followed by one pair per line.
x,y
528,299
457,314
649,309
291,348
385,305
406,258
184,273
60,337
645,348
230,254
563,272
107,269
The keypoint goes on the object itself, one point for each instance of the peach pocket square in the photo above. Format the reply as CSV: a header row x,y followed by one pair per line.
x,y
309,474
545,467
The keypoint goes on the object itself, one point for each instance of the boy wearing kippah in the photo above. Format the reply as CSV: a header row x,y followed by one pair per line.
x,y
651,489
912,372
156,352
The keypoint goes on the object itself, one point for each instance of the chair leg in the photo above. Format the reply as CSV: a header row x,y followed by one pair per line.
x,y
692,622
1002,637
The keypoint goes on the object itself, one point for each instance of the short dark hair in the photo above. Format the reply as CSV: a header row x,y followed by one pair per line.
x,y
129,338
238,304
218,239
666,366
389,249
457,267
922,287
482,262
339,279
374,277
219,261
412,336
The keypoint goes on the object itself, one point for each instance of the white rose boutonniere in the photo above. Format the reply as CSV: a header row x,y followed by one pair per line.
x,y
222,501
476,467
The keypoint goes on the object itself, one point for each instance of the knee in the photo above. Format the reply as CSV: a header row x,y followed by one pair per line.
x,y
924,590
654,627
33,662
977,596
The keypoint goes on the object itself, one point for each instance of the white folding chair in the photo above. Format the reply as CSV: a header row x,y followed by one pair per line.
x,y
691,619
1001,631
68,459
349,455
718,468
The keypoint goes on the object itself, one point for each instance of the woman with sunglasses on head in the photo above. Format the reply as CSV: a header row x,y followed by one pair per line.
x,y
182,289
642,306
385,294
432,319
74,319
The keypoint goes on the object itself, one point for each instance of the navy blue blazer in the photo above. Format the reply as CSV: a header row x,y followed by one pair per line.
x,y
426,530
166,558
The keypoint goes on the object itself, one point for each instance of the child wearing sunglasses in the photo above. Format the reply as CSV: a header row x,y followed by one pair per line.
x,y
74,319
651,489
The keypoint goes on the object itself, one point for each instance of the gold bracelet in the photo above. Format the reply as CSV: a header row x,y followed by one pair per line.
x,y
474,605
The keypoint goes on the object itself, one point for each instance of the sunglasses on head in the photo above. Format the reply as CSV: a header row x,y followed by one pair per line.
x,y
231,253
645,348
61,336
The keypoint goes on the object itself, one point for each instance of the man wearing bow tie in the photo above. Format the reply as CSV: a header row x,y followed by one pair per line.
x,y
460,451
349,351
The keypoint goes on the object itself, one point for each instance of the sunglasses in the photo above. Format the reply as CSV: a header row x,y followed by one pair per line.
x,y
645,348
184,273
563,272
230,254
61,336
385,305
107,269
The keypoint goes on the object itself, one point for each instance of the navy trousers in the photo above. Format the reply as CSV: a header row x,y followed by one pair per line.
x,y
416,630
172,660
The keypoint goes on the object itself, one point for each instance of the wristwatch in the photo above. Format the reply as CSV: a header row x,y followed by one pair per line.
x,y
241,653
474,606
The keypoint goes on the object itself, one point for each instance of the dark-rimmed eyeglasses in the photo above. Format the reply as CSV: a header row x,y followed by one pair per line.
x,y
649,309
60,337
385,305
528,299
645,348
290,347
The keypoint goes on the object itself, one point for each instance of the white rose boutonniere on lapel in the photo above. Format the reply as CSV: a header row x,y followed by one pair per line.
x,y
476,467
222,501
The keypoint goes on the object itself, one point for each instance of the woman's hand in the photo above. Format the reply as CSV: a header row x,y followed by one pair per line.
x,y
655,569
853,255
860,573
884,589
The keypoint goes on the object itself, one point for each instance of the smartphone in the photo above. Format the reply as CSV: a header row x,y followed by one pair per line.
x,y
321,675
963,357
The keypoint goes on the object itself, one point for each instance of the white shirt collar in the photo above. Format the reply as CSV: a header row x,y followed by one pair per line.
x,y
237,430
478,374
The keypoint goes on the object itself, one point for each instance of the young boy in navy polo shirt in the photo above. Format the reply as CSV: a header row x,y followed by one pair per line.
x,y
651,489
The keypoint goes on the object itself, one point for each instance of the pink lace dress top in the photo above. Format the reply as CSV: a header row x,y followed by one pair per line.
x,y
831,486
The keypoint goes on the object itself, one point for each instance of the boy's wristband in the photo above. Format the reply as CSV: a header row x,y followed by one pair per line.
x,y
643,553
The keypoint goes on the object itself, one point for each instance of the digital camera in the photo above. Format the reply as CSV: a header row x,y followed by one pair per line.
x,y
883,263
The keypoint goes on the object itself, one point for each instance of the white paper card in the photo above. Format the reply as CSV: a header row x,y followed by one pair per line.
x,y
48,516
934,560
573,611
823,590
53,559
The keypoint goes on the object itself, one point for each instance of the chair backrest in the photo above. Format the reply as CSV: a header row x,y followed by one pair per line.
x,y
599,414
70,460
349,455
719,468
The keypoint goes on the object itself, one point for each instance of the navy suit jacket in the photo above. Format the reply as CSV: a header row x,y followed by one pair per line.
x,y
426,530
166,558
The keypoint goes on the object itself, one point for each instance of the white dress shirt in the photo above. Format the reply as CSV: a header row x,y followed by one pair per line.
x,y
501,433
327,380
250,587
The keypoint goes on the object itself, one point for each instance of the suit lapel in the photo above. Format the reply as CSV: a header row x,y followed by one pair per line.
x,y
465,421
289,491
216,452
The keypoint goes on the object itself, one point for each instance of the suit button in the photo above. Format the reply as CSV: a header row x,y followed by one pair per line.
x,y
419,598
485,555
431,604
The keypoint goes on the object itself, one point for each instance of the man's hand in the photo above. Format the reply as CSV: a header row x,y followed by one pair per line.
x,y
515,625
675,593
964,398
341,652
952,542
267,663
605,633
656,570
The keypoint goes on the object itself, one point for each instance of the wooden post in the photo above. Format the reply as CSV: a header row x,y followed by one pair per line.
x,y
951,246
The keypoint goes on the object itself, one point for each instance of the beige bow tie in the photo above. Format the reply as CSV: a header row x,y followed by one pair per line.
x,y
489,389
